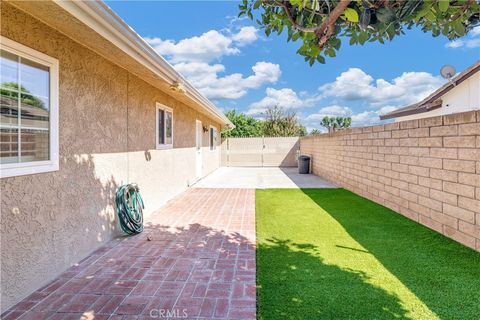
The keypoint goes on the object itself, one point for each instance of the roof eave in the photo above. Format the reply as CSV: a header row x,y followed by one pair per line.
x,y
410,110
421,109
99,17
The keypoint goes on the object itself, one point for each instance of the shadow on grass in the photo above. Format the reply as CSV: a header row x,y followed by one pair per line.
x,y
294,282
442,273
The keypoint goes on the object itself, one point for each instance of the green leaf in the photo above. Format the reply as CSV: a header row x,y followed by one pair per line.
x,y
314,51
362,37
443,5
425,9
459,28
430,16
330,52
257,4
280,29
298,3
351,15
336,43
321,59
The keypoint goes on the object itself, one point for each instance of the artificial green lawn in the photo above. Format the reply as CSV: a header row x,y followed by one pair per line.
x,y
330,254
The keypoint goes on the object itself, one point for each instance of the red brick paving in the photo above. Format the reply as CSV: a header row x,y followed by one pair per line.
x,y
199,264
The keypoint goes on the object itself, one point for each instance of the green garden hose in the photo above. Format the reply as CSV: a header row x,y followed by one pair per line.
x,y
130,208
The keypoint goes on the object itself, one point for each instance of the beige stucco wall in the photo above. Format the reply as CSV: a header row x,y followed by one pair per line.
x,y
50,221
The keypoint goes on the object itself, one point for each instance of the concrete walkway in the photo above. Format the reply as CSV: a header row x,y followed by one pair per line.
x,y
198,264
261,178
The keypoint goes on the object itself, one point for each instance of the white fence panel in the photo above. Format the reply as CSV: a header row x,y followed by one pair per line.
x,y
260,152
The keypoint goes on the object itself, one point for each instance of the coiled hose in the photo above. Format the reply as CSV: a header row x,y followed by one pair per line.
x,y
130,206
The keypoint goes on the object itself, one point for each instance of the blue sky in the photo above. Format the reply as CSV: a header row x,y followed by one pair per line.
x,y
233,63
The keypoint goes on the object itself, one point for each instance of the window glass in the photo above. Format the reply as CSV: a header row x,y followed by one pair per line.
x,y
24,109
9,145
168,128
161,126
164,127
34,145
9,68
9,108
213,138
34,78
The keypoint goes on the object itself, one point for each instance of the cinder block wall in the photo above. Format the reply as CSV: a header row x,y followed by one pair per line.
x,y
427,170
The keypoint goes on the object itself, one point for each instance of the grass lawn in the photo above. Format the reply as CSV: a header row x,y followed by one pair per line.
x,y
330,254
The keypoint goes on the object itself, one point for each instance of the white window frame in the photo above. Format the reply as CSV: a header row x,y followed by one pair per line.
x,y
159,145
34,167
214,146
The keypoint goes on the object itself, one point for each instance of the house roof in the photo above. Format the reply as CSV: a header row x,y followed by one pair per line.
x,y
433,101
96,26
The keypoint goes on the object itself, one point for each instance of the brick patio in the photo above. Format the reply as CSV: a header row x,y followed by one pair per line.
x,y
200,262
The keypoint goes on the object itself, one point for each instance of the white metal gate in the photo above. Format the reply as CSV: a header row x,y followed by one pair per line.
x,y
260,152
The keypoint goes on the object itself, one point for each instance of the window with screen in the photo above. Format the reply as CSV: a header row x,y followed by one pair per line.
x,y
164,127
28,110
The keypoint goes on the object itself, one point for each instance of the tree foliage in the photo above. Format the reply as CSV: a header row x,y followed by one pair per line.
x,y
245,126
280,123
333,123
11,89
321,25
277,122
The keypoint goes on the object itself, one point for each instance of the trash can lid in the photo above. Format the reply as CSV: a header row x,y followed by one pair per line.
x,y
304,158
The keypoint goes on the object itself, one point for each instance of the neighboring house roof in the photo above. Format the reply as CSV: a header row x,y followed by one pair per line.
x,y
433,101
77,19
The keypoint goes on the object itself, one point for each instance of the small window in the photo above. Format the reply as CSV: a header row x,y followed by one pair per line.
x,y
164,127
213,138
28,110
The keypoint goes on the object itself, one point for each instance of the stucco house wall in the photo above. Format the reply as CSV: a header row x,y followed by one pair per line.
x,y
52,220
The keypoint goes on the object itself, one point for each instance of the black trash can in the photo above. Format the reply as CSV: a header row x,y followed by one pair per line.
x,y
304,164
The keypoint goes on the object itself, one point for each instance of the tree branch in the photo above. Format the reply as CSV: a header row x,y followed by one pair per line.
x,y
325,31
292,20
464,8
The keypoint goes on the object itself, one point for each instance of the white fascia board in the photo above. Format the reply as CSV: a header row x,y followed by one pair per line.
x,y
99,17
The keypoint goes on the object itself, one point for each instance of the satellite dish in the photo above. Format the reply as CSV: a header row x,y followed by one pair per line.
x,y
447,71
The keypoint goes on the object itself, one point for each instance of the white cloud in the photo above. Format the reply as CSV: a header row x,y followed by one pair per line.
x,y
355,84
285,98
233,86
364,118
475,31
208,46
455,44
470,41
245,36
386,109
193,58
329,111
